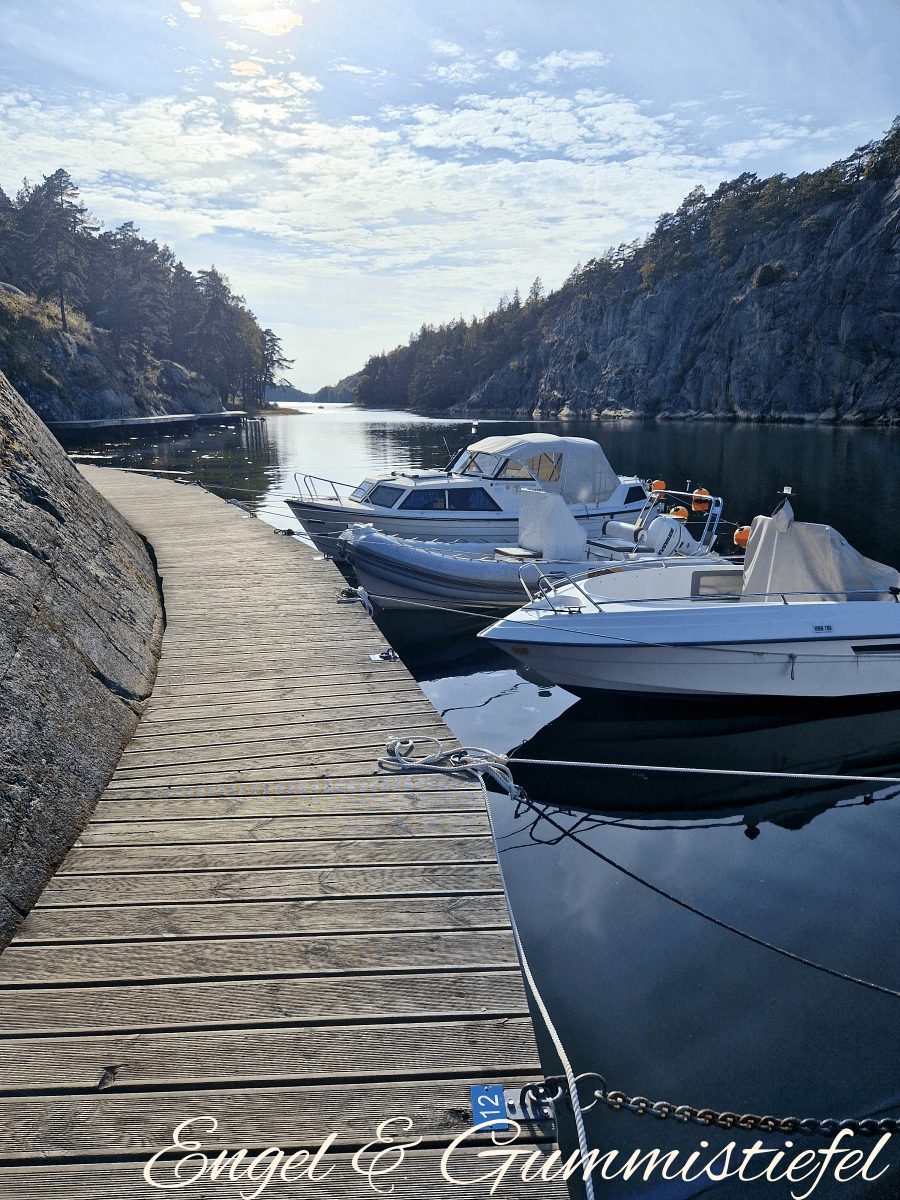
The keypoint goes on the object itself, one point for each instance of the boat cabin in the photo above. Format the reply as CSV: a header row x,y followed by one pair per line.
x,y
486,476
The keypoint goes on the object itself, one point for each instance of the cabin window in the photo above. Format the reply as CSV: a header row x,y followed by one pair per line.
x,y
636,495
471,500
427,498
480,464
359,492
546,467
385,496
513,469
717,584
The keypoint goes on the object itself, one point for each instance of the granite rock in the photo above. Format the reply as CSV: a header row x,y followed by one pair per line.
x,y
803,326
81,624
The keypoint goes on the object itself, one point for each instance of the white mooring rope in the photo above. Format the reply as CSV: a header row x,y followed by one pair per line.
x,y
456,762
474,760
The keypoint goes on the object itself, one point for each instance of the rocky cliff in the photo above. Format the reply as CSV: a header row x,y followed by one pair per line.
x,y
802,324
74,374
80,632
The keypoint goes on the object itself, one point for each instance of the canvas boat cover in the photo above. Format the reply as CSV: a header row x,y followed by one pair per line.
x,y
784,555
582,476
547,526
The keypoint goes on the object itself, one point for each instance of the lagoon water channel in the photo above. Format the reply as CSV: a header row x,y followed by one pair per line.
x,y
660,1001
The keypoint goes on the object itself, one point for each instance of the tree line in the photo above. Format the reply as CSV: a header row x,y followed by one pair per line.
x,y
149,302
442,366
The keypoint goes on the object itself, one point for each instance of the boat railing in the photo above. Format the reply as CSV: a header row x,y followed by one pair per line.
x,y
700,502
310,482
546,586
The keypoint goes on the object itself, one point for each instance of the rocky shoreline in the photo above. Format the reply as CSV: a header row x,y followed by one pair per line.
x,y
81,624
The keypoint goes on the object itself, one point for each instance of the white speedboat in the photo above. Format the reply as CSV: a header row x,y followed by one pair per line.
x,y
476,499
402,573
801,618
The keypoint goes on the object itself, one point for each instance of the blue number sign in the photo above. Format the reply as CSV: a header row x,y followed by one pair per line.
x,y
489,1106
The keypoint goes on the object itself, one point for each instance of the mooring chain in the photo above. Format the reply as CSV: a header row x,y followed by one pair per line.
x,y
557,1087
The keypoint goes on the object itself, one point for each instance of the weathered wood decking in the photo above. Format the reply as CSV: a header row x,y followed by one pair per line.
x,y
256,925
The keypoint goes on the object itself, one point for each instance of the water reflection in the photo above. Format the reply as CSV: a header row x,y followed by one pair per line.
x,y
817,737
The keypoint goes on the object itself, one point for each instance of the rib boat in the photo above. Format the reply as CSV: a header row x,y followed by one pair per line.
x,y
806,616
402,573
476,499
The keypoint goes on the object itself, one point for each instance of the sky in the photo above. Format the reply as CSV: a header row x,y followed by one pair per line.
x,y
357,168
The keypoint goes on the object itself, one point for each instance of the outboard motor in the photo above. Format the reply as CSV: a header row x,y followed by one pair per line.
x,y
666,536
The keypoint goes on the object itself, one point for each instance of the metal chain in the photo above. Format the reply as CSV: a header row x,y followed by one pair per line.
x,y
661,1109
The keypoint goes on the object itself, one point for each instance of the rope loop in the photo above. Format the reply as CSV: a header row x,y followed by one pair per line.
x,y
473,761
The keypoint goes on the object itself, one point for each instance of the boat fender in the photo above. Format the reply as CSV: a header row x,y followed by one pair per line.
x,y
679,513
659,486
666,536
700,500
741,537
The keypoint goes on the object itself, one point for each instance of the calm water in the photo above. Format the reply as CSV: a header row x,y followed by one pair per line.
x,y
660,1001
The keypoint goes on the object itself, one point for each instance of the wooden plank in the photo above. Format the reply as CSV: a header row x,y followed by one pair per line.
x,y
158,856
226,919
331,1052
418,1177
200,801
330,954
316,762
283,884
275,717
352,734
275,698
412,828
253,1003
130,1122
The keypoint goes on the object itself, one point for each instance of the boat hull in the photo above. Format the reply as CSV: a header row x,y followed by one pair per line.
x,y
753,669
324,523
699,647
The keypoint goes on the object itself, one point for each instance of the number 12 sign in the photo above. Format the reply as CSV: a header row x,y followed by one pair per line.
x,y
489,1106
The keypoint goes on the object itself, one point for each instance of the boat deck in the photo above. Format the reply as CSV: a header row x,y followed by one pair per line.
x,y
257,926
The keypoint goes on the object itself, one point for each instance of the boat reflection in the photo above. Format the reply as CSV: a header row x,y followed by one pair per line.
x,y
819,738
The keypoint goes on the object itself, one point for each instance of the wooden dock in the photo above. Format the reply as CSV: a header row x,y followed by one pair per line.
x,y
258,926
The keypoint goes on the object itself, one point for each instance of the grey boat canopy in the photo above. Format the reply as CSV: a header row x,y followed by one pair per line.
x,y
784,555
575,468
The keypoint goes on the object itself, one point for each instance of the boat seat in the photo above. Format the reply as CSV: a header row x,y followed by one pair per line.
x,y
517,552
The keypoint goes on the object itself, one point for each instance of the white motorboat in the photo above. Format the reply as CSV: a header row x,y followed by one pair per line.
x,y
402,573
476,499
801,618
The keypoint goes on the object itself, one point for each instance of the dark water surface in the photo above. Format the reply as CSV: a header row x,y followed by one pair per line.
x,y
659,1000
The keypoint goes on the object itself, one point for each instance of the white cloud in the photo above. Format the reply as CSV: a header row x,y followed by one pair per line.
x,y
236,46
548,68
192,10
247,68
508,60
458,74
344,66
305,83
170,21
274,18
450,49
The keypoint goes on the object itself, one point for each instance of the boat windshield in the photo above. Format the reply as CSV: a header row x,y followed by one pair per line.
x,y
478,464
513,469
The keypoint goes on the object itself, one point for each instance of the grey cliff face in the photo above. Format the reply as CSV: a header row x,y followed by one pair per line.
x,y
805,325
80,633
